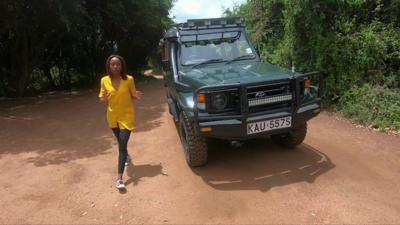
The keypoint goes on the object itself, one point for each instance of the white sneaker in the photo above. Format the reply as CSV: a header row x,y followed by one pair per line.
x,y
120,184
128,160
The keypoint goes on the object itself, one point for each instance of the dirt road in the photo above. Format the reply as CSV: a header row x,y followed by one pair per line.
x,y
58,162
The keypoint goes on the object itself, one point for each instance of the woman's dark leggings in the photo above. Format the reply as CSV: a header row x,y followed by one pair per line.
x,y
122,136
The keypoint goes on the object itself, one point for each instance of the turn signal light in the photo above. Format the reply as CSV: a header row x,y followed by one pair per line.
x,y
206,129
307,83
201,98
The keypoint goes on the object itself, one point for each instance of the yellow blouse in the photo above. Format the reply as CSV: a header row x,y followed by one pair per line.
x,y
120,110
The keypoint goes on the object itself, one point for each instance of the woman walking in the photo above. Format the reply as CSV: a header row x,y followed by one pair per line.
x,y
118,89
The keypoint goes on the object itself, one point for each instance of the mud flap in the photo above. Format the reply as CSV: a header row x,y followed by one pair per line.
x,y
172,109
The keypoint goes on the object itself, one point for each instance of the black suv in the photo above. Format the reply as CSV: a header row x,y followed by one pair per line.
x,y
218,87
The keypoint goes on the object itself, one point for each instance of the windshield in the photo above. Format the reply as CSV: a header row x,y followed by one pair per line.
x,y
223,46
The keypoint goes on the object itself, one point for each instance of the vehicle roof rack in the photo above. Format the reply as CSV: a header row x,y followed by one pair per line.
x,y
204,24
212,23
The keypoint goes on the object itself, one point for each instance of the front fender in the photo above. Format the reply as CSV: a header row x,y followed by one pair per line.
x,y
185,102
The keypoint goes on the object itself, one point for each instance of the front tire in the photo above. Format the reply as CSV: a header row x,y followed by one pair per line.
x,y
194,145
293,138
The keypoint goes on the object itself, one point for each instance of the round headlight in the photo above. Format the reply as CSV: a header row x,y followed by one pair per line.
x,y
219,101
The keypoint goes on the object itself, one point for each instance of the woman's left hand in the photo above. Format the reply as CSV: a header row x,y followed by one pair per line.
x,y
138,95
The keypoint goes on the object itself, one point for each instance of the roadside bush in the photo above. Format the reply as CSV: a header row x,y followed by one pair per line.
x,y
355,44
376,105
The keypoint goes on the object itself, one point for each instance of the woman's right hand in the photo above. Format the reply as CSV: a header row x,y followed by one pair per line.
x,y
138,95
105,96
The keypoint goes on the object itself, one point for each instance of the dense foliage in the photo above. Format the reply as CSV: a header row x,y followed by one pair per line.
x,y
60,44
354,43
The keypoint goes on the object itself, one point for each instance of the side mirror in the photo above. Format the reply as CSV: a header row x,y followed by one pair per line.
x,y
258,52
164,54
165,65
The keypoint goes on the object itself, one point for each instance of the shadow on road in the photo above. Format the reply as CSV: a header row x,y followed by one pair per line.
x,y
152,105
261,165
70,127
137,172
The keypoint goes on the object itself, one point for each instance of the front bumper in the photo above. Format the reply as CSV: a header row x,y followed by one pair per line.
x,y
236,128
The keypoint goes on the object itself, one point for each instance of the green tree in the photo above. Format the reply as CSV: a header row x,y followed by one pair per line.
x,y
60,44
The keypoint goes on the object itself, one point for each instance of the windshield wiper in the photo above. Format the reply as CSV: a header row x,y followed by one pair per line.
x,y
248,56
207,61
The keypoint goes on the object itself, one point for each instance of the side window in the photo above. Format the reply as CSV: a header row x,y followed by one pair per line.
x,y
244,48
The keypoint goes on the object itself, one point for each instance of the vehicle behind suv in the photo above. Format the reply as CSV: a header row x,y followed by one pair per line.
x,y
218,87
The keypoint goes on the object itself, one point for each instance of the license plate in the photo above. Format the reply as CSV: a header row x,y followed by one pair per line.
x,y
262,126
